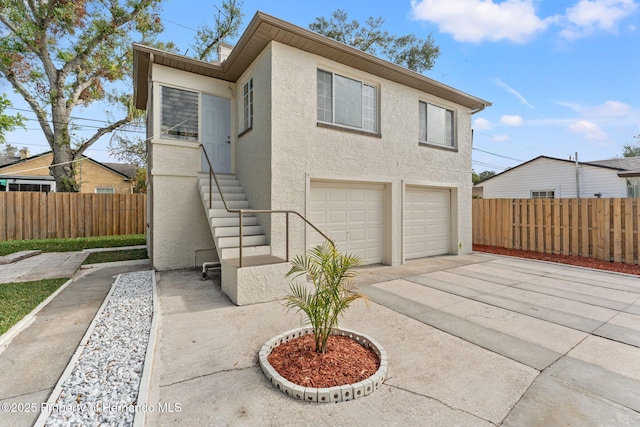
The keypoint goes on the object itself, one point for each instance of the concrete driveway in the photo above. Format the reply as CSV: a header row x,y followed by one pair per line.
x,y
471,340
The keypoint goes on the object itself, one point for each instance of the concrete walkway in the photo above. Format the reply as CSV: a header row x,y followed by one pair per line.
x,y
32,364
472,340
50,265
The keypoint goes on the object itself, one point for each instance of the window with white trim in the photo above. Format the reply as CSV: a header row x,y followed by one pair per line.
x,y
247,102
179,114
436,125
347,102
543,194
105,190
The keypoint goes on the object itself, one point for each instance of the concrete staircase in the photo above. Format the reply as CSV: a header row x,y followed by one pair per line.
x,y
261,277
225,225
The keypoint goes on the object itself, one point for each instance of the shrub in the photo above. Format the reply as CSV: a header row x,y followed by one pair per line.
x,y
332,292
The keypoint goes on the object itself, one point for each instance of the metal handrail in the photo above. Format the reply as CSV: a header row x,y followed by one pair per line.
x,y
241,212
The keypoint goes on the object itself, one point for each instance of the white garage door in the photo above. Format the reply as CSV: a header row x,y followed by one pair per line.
x,y
427,225
352,215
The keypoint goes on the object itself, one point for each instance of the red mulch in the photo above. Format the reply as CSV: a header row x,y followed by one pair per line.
x,y
346,362
618,267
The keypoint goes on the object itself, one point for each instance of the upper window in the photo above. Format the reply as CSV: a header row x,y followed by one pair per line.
x,y
543,194
179,114
436,125
247,96
347,102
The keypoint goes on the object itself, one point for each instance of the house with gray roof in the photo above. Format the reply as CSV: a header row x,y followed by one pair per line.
x,y
549,177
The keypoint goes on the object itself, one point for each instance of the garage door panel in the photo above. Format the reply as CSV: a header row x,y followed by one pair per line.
x,y
426,222
357,216
338,217
352,215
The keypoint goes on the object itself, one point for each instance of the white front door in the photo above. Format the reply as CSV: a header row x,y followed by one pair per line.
x,y
216,133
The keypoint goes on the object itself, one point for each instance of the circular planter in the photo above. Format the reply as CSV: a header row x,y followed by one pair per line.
x,y
341,393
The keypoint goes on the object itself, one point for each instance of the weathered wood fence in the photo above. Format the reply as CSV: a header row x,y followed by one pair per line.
x,y
25,215
605,229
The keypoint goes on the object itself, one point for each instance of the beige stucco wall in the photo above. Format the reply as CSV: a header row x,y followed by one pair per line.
x,y
89,174
303,152
180,234
253,150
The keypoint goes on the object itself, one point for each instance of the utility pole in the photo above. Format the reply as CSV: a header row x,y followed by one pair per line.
x,y
577,177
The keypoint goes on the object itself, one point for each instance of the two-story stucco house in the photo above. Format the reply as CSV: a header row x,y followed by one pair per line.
x,y
375,156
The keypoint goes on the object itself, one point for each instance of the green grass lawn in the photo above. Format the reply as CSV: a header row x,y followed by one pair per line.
x,y
70,245
18,299
112,256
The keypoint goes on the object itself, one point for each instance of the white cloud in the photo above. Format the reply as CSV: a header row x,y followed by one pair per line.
x,y
500,138
514,93
482,124
586,16
589,129
511,120
609,109
479,20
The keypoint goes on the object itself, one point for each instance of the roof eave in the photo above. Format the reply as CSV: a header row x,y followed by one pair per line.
x,y
260,32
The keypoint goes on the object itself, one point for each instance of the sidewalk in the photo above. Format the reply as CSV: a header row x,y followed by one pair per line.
x,y
50,265
32,364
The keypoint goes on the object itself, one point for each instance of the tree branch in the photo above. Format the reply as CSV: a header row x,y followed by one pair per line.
x,y
101,37
99,134
40,113
81,86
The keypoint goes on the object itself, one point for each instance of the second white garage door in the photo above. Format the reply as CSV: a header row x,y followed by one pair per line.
x,y
352,215
427,224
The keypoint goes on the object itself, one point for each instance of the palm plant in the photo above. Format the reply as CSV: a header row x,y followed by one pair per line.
x,y
333,291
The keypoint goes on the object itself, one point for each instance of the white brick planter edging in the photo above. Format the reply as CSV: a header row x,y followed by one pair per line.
x,y
324,395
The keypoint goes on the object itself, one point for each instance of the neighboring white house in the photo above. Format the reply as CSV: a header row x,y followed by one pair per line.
x,y
548,177
376,156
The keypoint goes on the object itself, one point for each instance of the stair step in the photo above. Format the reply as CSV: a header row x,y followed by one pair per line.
x,y
223,213
233,221
204,189
228,196
227,253
231,242
251,230
231,204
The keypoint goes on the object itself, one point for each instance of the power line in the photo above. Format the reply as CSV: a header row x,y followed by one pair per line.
x,y
488,165
179,25
497,155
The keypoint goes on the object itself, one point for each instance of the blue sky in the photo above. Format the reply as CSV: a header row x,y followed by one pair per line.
x,y
562,75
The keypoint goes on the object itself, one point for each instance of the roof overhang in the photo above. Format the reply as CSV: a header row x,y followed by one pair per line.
x,y
629,174
260,32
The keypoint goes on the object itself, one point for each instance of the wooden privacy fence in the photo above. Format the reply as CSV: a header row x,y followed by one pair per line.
x,y
605,229
26,215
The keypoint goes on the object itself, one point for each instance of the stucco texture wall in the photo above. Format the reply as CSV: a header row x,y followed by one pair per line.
x,y
302,151
253,161
180,232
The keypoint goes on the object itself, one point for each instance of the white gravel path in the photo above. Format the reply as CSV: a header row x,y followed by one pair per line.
x,y
102,389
